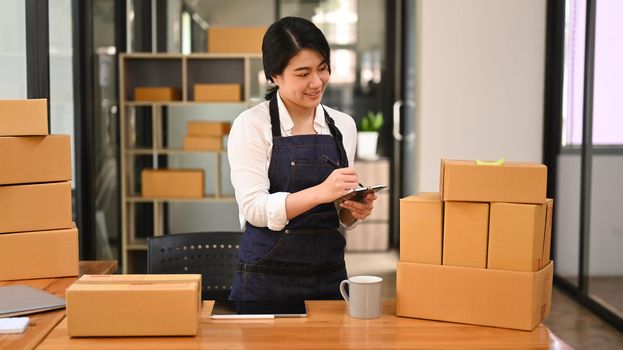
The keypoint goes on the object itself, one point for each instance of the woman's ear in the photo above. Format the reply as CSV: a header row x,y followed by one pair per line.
x,y
276,79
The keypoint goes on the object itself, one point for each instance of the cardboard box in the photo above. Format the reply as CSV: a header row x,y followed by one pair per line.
x,y
512,182
218,92
547,242
465,234
235,39
203,143
155,94
39,254
207,128
23,117
174,183
516,236
35,207
35,159
133,305
421,227
509,299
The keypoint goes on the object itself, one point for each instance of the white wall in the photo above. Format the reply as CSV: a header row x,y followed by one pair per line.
x,y
479,82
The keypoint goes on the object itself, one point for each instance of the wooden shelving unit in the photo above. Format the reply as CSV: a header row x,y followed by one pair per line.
x,y
181,72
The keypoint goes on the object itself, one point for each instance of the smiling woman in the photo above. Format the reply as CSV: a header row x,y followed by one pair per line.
x,y
293,247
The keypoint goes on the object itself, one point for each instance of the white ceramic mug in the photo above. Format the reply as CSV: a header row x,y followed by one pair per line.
x,y
364,296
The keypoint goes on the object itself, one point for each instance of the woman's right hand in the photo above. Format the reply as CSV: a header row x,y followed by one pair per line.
x,y
339,182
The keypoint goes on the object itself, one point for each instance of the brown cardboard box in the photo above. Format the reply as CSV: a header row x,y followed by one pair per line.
x,y
39,254
35,207
23,117
218,92
512,182
465,234
509,299
421,227
203,143
207,128
133,305
547,242
176,183
516,236
155,94
235,39
35,159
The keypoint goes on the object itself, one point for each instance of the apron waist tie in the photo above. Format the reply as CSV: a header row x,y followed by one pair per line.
x,y
290,271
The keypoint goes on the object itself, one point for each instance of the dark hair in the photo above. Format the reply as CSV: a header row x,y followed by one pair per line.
x,y
284,39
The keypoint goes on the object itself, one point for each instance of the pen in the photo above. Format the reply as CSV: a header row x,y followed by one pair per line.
x,y
335,165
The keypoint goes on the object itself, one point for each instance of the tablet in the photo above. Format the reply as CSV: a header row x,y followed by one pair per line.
x,y
258,309
359,193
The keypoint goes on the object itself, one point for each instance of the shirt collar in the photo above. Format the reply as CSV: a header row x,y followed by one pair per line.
x,y
286,120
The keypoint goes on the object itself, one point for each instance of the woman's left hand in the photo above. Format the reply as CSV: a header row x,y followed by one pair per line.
x,y
360,210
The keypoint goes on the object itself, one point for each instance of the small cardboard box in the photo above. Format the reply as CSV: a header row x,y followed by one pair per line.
x,y
207,128
421,228
133,305
466,225
513,182
203,143
23,117
516,236
547,243
35,159
218,92
172,183
508,299
35,207
39,254
235,39
156,94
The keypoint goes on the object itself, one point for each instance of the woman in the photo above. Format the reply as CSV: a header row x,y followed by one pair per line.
x,y
280,153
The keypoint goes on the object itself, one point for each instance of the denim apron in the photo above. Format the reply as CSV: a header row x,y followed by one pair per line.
x,y
305,260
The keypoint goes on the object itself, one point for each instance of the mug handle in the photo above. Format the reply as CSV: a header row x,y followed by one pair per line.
x,y
343,290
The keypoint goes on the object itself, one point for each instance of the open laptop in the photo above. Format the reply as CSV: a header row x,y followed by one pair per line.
x,y
231,309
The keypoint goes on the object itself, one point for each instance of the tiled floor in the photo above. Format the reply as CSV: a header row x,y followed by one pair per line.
x,y
570,321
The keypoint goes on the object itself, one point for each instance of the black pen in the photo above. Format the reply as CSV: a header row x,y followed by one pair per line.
x,y
335,165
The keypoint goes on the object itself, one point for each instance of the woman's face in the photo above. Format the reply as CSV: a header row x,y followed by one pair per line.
x,y
304,79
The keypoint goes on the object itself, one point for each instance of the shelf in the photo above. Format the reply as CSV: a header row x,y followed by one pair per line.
x,y
178,103
170,151
223,199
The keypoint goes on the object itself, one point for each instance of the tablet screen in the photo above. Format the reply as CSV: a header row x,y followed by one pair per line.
x,y
276,308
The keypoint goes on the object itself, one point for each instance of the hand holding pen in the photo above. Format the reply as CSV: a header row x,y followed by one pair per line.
x,y
334,164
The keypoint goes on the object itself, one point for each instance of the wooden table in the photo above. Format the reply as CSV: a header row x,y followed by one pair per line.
x,y
327,327
41,323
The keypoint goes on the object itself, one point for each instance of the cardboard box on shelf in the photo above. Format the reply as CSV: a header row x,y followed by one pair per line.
x,y
547,242
34,207
207,128
508,299
34,159
421,228
218,92
39,254
516,236
172,183
235,39
23,117
134,305
157,94
203,143
465,234
513,182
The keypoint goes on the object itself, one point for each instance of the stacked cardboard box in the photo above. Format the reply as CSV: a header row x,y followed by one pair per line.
x,y
235,39
217,92
157,94
37,236
172,183
134,305
205,135
478,251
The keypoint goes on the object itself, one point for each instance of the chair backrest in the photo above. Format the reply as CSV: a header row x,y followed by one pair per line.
x,y
212,254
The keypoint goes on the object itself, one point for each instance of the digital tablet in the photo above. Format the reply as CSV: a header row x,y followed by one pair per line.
x,y
359,193
258,309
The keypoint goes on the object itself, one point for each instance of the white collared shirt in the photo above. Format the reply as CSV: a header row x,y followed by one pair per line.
x,y
249,149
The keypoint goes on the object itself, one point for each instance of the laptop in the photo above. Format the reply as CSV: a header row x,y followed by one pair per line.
x,y
23,300
237,309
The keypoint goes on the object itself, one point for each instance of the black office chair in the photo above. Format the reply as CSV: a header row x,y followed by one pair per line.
x,y
212,254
